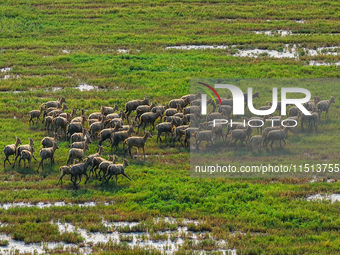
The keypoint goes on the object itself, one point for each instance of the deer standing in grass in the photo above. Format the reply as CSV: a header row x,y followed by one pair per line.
x,y
136,141
11,150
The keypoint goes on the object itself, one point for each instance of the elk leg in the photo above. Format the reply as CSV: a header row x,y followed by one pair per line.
x,y
87,177
60,180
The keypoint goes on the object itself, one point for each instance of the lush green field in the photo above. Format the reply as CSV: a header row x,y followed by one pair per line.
x,y
65,43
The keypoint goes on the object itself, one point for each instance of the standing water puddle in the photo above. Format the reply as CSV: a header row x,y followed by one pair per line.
x,y
54,89
197,47
275,32
316,63
81,87
7,76
42,205
18,247
13,91
318,197
170,240
124,51
86,87
5,69
271,53
287,51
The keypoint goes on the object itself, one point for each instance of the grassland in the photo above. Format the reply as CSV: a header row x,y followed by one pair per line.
x,y
272,214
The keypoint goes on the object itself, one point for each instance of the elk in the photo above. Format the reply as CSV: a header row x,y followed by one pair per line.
x,y
48,122
181,102
64,170
96,162
76,153
165,127
60,122
160,108
26,154
46,153
132,105
81,119
106,133
96,127
58,111
35,114
149,117
56,104
74,127
121,115
206,135
116,169
143,109
28,147
120,136
68,116
49,141
103,165
107,110
324,105
11,149
135,141
192,97
77,170
277,135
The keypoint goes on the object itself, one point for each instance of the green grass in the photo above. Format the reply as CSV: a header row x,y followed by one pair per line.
x,y
159,237
4,242
255,215
125,238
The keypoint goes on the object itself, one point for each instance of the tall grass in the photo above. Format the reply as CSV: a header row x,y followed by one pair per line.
x,y
254,216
